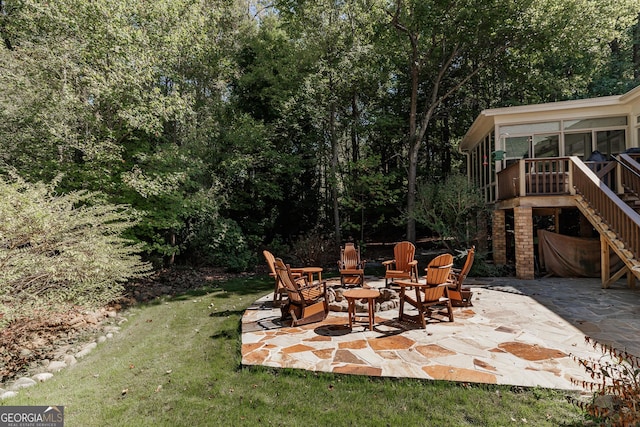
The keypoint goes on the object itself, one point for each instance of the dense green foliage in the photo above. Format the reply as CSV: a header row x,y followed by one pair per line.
x,y
58,251
233,125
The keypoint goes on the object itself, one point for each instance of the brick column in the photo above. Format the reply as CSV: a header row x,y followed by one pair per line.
x,y
499,238
523,225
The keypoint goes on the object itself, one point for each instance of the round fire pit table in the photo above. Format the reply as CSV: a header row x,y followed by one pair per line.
x,y
359,294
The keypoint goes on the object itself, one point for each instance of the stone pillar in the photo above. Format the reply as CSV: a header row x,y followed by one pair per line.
x,y
499,238
523,227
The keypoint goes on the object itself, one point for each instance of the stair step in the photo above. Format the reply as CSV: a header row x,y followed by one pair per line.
x,y
629,256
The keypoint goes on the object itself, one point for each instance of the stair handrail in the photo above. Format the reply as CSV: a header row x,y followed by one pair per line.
x,y
630,172
619,217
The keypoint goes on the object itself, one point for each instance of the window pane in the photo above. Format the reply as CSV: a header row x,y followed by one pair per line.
x,y
610,142
546,146
601,122
517,147
577,144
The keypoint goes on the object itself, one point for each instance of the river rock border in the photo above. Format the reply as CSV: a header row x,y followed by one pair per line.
x,y
66,356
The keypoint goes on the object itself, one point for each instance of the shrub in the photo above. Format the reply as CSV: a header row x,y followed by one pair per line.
x,y
616,386
58,251
451,209
220,242
314,248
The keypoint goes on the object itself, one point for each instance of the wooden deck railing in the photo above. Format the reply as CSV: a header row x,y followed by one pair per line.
x,y
549,176
535,177
630,173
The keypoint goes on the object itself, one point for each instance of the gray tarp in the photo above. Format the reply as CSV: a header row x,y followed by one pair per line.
x,y
566,256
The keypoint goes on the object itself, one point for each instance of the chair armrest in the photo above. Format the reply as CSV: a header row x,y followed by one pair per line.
x,y
414,262
389,262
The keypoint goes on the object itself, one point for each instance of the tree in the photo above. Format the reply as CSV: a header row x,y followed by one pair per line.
x,y
116,98
449,42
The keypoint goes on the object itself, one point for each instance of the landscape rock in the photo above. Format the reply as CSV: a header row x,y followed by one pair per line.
x,y
23,382
56,366
42,377
86,349
8,394
70,360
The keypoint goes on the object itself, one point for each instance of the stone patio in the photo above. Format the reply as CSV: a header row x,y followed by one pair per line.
x,y
518,332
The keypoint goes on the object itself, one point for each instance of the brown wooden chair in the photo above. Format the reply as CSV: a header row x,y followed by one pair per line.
x,y
461,296
433,292
279,291
403,265
351,266
307,302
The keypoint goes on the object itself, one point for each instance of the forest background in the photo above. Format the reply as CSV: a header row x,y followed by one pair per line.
x,y
231,126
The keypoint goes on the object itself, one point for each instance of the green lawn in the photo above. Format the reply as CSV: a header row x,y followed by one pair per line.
x,y
176,362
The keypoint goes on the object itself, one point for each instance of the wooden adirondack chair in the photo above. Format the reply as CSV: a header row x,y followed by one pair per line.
x,y
279,291
433,292
403,266
461,296
351,267
307,302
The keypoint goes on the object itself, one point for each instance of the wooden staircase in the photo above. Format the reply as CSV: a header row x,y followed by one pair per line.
x,y
616,218
609,241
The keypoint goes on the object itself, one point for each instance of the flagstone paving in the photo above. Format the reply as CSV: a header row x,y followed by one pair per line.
x,y
518,332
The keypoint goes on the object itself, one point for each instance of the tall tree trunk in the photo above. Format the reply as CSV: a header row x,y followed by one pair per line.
x,y
636,49
355,140
414,138
334,170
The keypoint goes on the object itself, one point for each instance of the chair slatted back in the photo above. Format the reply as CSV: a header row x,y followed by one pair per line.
x,y
404,252
468,263
284,275
434,294
350,257
270,262
439,269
